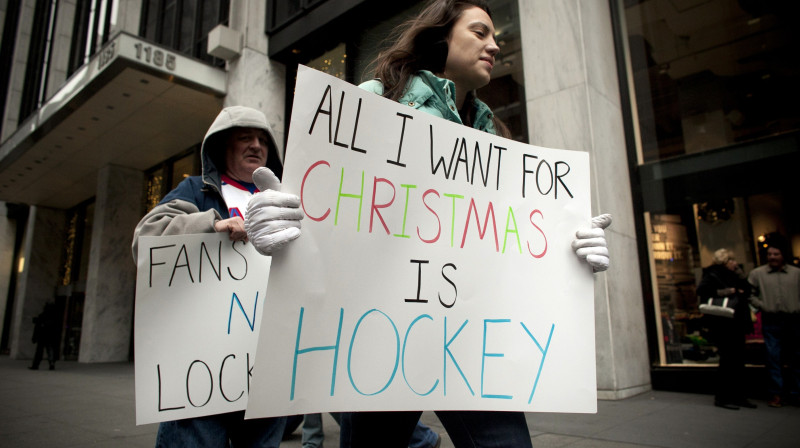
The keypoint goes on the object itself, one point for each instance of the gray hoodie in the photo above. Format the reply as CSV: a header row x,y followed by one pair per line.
x,y
196,204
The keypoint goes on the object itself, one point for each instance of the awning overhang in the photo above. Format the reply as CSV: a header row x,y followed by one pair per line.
x,y
134,104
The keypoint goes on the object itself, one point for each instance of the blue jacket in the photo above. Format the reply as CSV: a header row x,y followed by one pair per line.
x,y
206,196
436,96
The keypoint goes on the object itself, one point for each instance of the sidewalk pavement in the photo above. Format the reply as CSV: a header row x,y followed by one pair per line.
x,y
80,405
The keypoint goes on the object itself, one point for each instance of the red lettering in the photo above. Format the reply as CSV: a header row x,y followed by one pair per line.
x,y
481,233
438,221
302,189
374,209
540,255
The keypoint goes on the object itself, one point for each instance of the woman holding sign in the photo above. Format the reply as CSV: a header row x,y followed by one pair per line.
x,y
435,63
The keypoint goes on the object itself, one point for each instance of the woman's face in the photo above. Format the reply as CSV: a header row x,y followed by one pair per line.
x,y
471,49
731,264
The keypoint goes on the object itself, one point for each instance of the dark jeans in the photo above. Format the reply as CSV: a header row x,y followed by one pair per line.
x,y
730,338
313,434
217,430
782,341
51,354
467,429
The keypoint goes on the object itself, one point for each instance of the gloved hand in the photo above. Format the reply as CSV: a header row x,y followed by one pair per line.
x,y
590,244
273,218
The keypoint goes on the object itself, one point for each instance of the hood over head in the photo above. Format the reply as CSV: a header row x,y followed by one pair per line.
x,y
212,153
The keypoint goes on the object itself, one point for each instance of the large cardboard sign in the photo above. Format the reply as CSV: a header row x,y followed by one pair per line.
x,y
434,270
199,303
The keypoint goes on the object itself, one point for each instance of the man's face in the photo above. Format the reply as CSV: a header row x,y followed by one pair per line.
x,y
246,150
774,257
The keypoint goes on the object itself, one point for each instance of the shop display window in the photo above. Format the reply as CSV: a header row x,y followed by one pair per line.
x,y
683,242
713,148
165,176
711,73
332,62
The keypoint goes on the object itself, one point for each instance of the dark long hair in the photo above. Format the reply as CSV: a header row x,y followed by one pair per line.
x,y
420,43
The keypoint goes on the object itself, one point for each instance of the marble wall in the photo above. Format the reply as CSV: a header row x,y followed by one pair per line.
x,y
60,47
111,279
7,236
253,79
36,284
17,75
129,13
573,102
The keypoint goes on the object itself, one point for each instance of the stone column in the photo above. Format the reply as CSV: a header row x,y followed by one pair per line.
x,y
573,102
128,18
254,80
111,280
7,237
16,84
37,282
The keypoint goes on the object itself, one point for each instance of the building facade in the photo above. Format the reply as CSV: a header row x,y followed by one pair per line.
x,y
685,108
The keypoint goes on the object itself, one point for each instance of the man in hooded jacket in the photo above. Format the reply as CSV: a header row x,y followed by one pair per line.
x,y
238,141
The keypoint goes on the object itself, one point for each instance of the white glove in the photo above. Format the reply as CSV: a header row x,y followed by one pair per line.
x,y
590,244
273,218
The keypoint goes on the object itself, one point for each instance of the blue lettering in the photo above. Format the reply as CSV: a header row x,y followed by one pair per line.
x,y
485,355
298,351
447,353
544,355
396,358
405,341
252,324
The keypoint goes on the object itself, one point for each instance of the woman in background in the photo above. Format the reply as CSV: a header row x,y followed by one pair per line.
x,y
722,279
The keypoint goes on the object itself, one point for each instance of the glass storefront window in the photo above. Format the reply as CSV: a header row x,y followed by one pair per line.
x,y
506,93
71,291
165,176
154,188
332,62
281,12
184,24
711,73
682,243
182,168
715,138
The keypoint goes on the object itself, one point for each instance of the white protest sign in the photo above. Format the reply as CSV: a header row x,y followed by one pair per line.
x,y
199,300
434,270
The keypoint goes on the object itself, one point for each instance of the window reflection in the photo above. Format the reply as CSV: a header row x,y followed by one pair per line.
x,y
711,73
184,24
182,168
165,176
332,62
505,95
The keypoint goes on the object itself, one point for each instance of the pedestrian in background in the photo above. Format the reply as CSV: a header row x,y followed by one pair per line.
x,y
45,336
776,287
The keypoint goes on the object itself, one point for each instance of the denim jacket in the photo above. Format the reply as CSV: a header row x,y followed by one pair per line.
x,y
436,96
